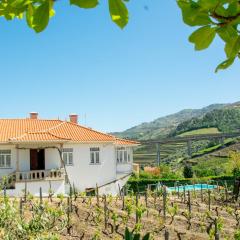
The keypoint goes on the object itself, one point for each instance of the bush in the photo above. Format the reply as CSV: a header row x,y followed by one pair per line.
x,y
188,171
139,184
236,172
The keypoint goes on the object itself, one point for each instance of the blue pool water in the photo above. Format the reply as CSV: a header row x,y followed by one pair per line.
x,y
191,187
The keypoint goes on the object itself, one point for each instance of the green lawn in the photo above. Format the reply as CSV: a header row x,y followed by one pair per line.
x,y
200,131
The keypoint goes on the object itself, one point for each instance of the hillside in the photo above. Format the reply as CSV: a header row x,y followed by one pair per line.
x,y
223,117
212,119
163,126
225,120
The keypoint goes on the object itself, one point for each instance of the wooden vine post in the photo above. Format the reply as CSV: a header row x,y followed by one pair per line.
x,y
21,207
105,211
137,220
68,216
189,202
5,191
226,190
70,198
146,199
209,200
25,192
184,194
217,237
218,188
40,196
155,199
201,193
178,193
166,235
97,194
75,193
164,202
226,194
123,200
120,191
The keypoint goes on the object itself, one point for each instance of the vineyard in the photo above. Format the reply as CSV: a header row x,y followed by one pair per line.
x,y
205,214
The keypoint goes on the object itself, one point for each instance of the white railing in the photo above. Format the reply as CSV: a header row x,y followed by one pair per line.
x,y
54,174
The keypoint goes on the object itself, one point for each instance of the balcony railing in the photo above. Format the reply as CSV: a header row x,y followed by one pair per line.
x,y
54,174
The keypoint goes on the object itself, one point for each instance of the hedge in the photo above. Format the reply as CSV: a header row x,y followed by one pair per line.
x,y
140,184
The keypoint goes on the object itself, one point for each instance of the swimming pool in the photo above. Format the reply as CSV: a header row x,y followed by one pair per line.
x,y
191,187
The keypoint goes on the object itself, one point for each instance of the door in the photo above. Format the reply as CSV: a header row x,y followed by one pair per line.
x,y
37,159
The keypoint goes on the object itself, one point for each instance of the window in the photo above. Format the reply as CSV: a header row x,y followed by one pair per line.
x,y
5,158
123,155
67,155
94,155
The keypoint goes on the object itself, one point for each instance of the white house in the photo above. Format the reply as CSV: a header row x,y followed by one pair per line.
x,y
52,154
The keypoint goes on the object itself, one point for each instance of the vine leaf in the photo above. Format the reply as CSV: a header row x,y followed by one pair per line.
x,y
202,37
225,64
118,12
85,3
40,17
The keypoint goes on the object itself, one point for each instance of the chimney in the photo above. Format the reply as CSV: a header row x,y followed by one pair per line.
x,y
73,118
33,115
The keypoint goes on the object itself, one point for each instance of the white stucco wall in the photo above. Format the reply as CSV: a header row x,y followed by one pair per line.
x,y
24,159
58,187
82,173
124,167
86,175
52,158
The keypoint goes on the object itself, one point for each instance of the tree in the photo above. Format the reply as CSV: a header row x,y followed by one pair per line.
x,y
215,17
235,162
187,171
38,12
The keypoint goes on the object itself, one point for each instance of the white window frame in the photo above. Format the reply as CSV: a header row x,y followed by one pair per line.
x,y
123,155
67,155
95,156
5,156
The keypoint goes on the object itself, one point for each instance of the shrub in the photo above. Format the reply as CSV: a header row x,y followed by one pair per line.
x,y
152,170
188,171
140,184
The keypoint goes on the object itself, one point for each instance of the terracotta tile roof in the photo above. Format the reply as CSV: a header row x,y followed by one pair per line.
x,y
120,141
37,130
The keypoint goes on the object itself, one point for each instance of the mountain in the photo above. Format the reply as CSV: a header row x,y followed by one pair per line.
x,y
226,119
163,126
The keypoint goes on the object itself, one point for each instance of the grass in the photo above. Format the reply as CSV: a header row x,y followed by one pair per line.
x,y
212,166
227,142
200,131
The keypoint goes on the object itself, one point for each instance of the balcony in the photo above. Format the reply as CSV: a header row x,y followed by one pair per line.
x,y
39,175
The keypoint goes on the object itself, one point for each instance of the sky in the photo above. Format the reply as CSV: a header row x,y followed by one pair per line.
x,y
114,79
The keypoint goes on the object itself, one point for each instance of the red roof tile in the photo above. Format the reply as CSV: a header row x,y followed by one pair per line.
x,y
32,130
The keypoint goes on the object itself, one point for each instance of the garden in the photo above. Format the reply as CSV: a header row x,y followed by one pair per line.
x,y
154,213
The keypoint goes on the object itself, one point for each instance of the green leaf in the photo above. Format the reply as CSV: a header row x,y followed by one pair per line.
x,y
206,4
118,12
146,237
29,15
136,236
193,14
20,3
202,37
233,8
232,47
225,64
85,3
227,33
41,16
128,235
